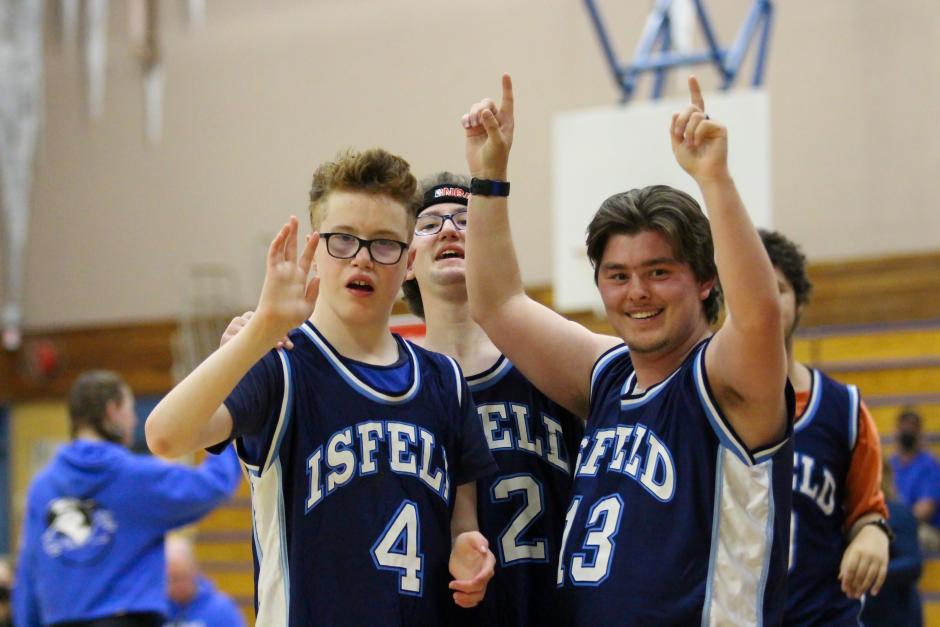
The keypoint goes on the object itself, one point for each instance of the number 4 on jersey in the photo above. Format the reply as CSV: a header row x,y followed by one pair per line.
x,y
398,549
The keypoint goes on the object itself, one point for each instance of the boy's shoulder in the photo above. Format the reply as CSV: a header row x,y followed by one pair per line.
x,y
434,360
420,351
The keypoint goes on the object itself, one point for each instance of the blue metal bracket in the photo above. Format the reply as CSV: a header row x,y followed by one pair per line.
x,y
654,52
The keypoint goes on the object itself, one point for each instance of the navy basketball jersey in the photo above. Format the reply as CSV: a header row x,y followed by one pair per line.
x,y
673,520
353,484
824,438
521,508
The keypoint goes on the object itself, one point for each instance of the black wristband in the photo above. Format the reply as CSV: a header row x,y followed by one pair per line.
x,y
882,524
487,187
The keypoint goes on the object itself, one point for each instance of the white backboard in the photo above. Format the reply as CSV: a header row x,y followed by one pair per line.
x,y
603,151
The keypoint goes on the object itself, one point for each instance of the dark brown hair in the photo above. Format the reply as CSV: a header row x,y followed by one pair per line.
x,y
89,398
669,211
787,256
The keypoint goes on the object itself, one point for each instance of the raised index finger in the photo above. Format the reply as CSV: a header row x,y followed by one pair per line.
x,y
695,91
507,103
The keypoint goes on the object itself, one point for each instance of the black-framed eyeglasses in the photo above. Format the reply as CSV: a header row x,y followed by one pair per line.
x,y
345,246
430,223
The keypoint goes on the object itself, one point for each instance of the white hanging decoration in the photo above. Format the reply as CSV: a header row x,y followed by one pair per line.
x,y
196,13
682,25
20,113
682,21
95,55
153,101
152,64
137,24
68,22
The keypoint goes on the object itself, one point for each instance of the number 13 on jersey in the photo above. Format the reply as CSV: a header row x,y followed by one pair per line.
x,y
591,566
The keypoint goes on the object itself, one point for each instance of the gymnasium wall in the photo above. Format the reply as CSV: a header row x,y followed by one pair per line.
x,y
36,429
265,91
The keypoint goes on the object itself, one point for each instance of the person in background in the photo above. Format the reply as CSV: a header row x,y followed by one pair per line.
x,y
363,450
898,603
839,534
6,583
917,477
91,552
534,441
194,601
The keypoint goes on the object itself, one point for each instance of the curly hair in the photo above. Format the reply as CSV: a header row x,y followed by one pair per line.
x,y
669,211
787,256
410,288
374,171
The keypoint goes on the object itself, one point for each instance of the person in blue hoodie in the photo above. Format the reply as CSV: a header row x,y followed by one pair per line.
x,y
194,601
91,551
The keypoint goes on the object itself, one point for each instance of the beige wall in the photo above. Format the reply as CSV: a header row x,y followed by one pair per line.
x,y
267,90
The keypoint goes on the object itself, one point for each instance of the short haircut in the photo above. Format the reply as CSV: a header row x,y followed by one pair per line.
x,y
410,287
375,171
671,212
908,414
89,398
789,259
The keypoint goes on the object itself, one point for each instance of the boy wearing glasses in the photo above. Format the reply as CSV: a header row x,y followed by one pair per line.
x,y
362,449
521,508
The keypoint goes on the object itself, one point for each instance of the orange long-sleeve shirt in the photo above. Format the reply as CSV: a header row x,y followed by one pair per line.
x,y
863,493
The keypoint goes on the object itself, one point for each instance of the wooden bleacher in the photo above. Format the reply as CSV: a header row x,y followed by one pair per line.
x,y
223,548
895,366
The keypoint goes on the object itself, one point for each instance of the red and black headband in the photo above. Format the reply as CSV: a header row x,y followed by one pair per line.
x,y
446,192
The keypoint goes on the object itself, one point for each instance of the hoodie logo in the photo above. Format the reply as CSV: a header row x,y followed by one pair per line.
x,y
77,531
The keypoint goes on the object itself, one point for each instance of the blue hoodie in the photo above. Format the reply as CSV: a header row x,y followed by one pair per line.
x,y
209,608
96,516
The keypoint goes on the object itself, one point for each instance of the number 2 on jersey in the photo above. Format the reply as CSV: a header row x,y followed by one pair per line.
x,y
398,549
512,549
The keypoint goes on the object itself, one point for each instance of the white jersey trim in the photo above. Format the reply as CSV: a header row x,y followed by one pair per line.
x,y
722,427
742,541
280,428
283,418
500,369
629,400
854,416
602,362
458,380
358,384
268,520
259,550
815,396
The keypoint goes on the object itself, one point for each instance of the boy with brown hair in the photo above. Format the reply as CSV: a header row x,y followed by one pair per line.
x,y
362,448
681,499
839,532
